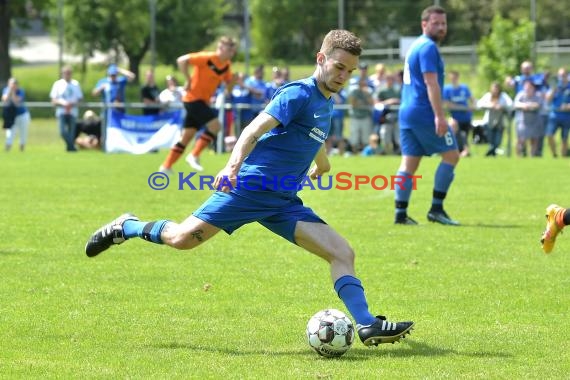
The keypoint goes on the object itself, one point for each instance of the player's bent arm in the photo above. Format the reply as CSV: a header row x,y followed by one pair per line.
x,y
182,63
322,164
249,138
243,147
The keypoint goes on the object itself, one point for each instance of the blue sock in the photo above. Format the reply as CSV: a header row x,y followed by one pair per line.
x,y
443,178
403,193
351,292
148,231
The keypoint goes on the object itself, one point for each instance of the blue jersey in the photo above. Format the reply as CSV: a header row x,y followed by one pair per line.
x,y
561,96
415,108
20,108
114,91
282,156
538,79
459,95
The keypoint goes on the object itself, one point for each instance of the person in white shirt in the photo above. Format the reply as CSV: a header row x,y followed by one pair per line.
x,y
66,95
171,96
497,105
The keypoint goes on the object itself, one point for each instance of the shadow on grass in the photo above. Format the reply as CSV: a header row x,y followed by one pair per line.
x,y
485,225
13,251
407,348
411,348
231,351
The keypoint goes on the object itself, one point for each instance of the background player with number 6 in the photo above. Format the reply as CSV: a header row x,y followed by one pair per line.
x,y
423,127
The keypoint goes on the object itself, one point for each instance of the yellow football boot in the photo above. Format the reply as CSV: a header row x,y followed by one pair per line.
x,y
552,228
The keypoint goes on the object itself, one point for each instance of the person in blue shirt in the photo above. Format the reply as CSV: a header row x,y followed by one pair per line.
x,y
15,114
112,87
559,116
271,158
459,101
423,126
240,97
335,138
258,89
526,73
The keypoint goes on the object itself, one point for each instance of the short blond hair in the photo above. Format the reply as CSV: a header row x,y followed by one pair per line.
x,y
228,41
341,39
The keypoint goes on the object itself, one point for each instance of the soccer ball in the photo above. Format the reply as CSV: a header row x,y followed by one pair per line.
x,y
330,332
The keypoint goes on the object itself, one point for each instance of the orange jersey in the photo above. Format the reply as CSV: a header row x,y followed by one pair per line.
x,y
207,74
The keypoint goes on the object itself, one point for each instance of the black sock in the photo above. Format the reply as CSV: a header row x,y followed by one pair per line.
x,y
401,210
566,219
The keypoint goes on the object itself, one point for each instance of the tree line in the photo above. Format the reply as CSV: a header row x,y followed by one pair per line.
x,y
287,31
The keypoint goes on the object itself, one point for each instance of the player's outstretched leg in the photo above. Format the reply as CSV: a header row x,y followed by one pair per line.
x,y
555,222
383,331
109,234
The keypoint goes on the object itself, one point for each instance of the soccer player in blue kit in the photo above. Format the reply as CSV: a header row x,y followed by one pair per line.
x,y
281,142
423,127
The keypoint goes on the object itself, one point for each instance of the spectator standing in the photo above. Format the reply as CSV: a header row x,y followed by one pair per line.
x,y
171,96
497,105
258,90
459,101
335,138
150,95
378,78
528,119
354,81
15,113
389,99
559,117
112,88
540,82
66,95
360,114
276,82
286,74
242,114
526,74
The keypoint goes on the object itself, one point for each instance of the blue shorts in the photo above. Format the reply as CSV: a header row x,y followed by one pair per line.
x,y
276,212
422,141
554,124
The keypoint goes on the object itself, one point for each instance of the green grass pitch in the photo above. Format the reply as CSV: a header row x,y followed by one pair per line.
x,y
488,304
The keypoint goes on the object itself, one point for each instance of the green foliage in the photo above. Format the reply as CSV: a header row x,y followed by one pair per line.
x,y
287,37
181,26
184,26
12,14
502,51
297,26
487,302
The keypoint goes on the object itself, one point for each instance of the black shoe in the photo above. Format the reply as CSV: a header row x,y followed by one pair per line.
x,y
107,235
405,220
441,217
383,331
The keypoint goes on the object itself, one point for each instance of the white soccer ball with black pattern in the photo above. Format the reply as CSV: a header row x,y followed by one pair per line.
x,y
330,333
